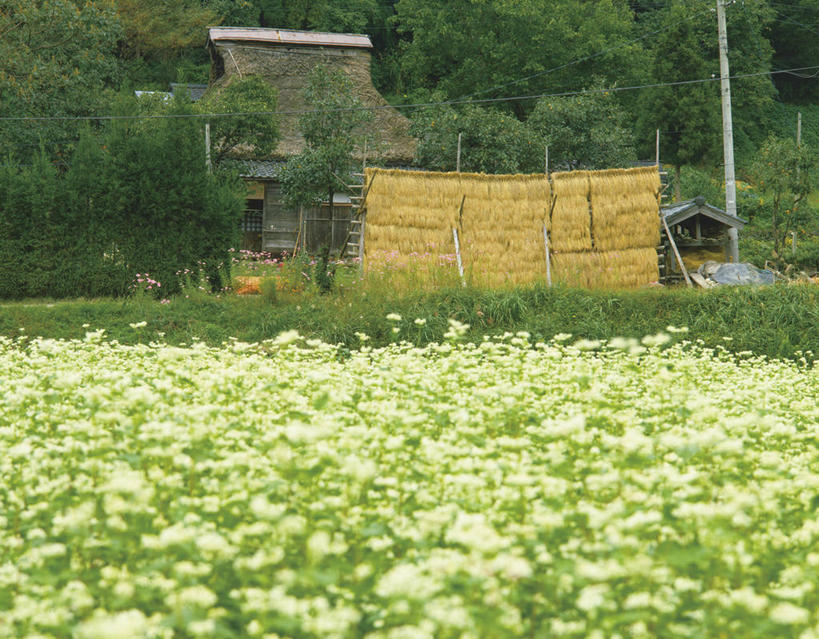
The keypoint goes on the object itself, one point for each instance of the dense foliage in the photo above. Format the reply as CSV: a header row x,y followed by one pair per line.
x,y
493,49
505,489
57,59
136,198
67,59
330,130
256,127
492,141
784,169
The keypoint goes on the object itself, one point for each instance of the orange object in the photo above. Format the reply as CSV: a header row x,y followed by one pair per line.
x,y
248,285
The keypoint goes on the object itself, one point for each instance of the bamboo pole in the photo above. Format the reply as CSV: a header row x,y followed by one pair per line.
x,y
458,256
458,158
657,148
207,147
548,257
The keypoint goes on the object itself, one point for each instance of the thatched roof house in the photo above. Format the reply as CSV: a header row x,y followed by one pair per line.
x,y
285,58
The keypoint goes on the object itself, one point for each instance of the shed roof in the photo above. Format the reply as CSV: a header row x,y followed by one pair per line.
x,y
256,169
679,211
193,91
288,36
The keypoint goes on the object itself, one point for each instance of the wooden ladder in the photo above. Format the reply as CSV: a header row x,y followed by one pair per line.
x,y
661,262
354,243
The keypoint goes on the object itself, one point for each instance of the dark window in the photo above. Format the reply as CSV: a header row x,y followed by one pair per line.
x,y
252,220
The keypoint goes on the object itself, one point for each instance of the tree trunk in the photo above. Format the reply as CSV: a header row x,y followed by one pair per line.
x,y
332,214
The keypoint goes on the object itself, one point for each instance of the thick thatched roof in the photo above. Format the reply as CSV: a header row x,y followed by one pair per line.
x,y
285,58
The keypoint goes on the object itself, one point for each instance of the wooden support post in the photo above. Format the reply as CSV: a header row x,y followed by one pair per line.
x,y
458,256
458,158
676,252
548,257
793,242
546,162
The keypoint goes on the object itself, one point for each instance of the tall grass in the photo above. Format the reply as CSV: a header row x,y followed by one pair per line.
x,y
777,321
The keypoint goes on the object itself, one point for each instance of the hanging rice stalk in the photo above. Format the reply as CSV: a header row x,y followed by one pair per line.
x,y
503,228
627,268
625,208
571,222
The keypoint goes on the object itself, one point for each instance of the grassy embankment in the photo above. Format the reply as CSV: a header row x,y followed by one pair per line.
x,y
777,321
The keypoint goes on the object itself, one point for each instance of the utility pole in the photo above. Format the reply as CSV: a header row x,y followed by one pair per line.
x,y
727,132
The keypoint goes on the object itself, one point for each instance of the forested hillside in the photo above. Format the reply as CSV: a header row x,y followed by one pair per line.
x,y
72,58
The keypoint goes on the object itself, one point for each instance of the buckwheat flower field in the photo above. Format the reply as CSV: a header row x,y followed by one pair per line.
x,y
505,489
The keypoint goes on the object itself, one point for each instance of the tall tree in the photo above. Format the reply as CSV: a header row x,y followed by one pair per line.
x,y
794,34
462,47
161,29
318,15
491,141
584,131
329,131
784,170
255,129
57,58
690,115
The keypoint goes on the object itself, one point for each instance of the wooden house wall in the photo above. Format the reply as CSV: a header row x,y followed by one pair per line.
x,y
281,225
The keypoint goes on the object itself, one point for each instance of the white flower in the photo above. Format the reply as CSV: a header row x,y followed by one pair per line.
x,y
592,597
287,337
789,614
393,317
195,596
128,624
674,329
656,340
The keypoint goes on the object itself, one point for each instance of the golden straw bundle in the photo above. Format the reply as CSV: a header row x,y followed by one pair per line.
x,y
625,208
570,220
627,268
502,228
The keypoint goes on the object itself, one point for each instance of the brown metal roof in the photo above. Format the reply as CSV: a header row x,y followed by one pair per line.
x,y
286,36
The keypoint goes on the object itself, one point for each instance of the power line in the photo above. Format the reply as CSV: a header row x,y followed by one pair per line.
x,y
790,20
421,105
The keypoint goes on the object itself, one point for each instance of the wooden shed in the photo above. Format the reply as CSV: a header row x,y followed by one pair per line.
x,y
700,232
284,58
268,225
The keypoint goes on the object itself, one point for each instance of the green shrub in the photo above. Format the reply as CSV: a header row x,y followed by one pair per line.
x,y
136,198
